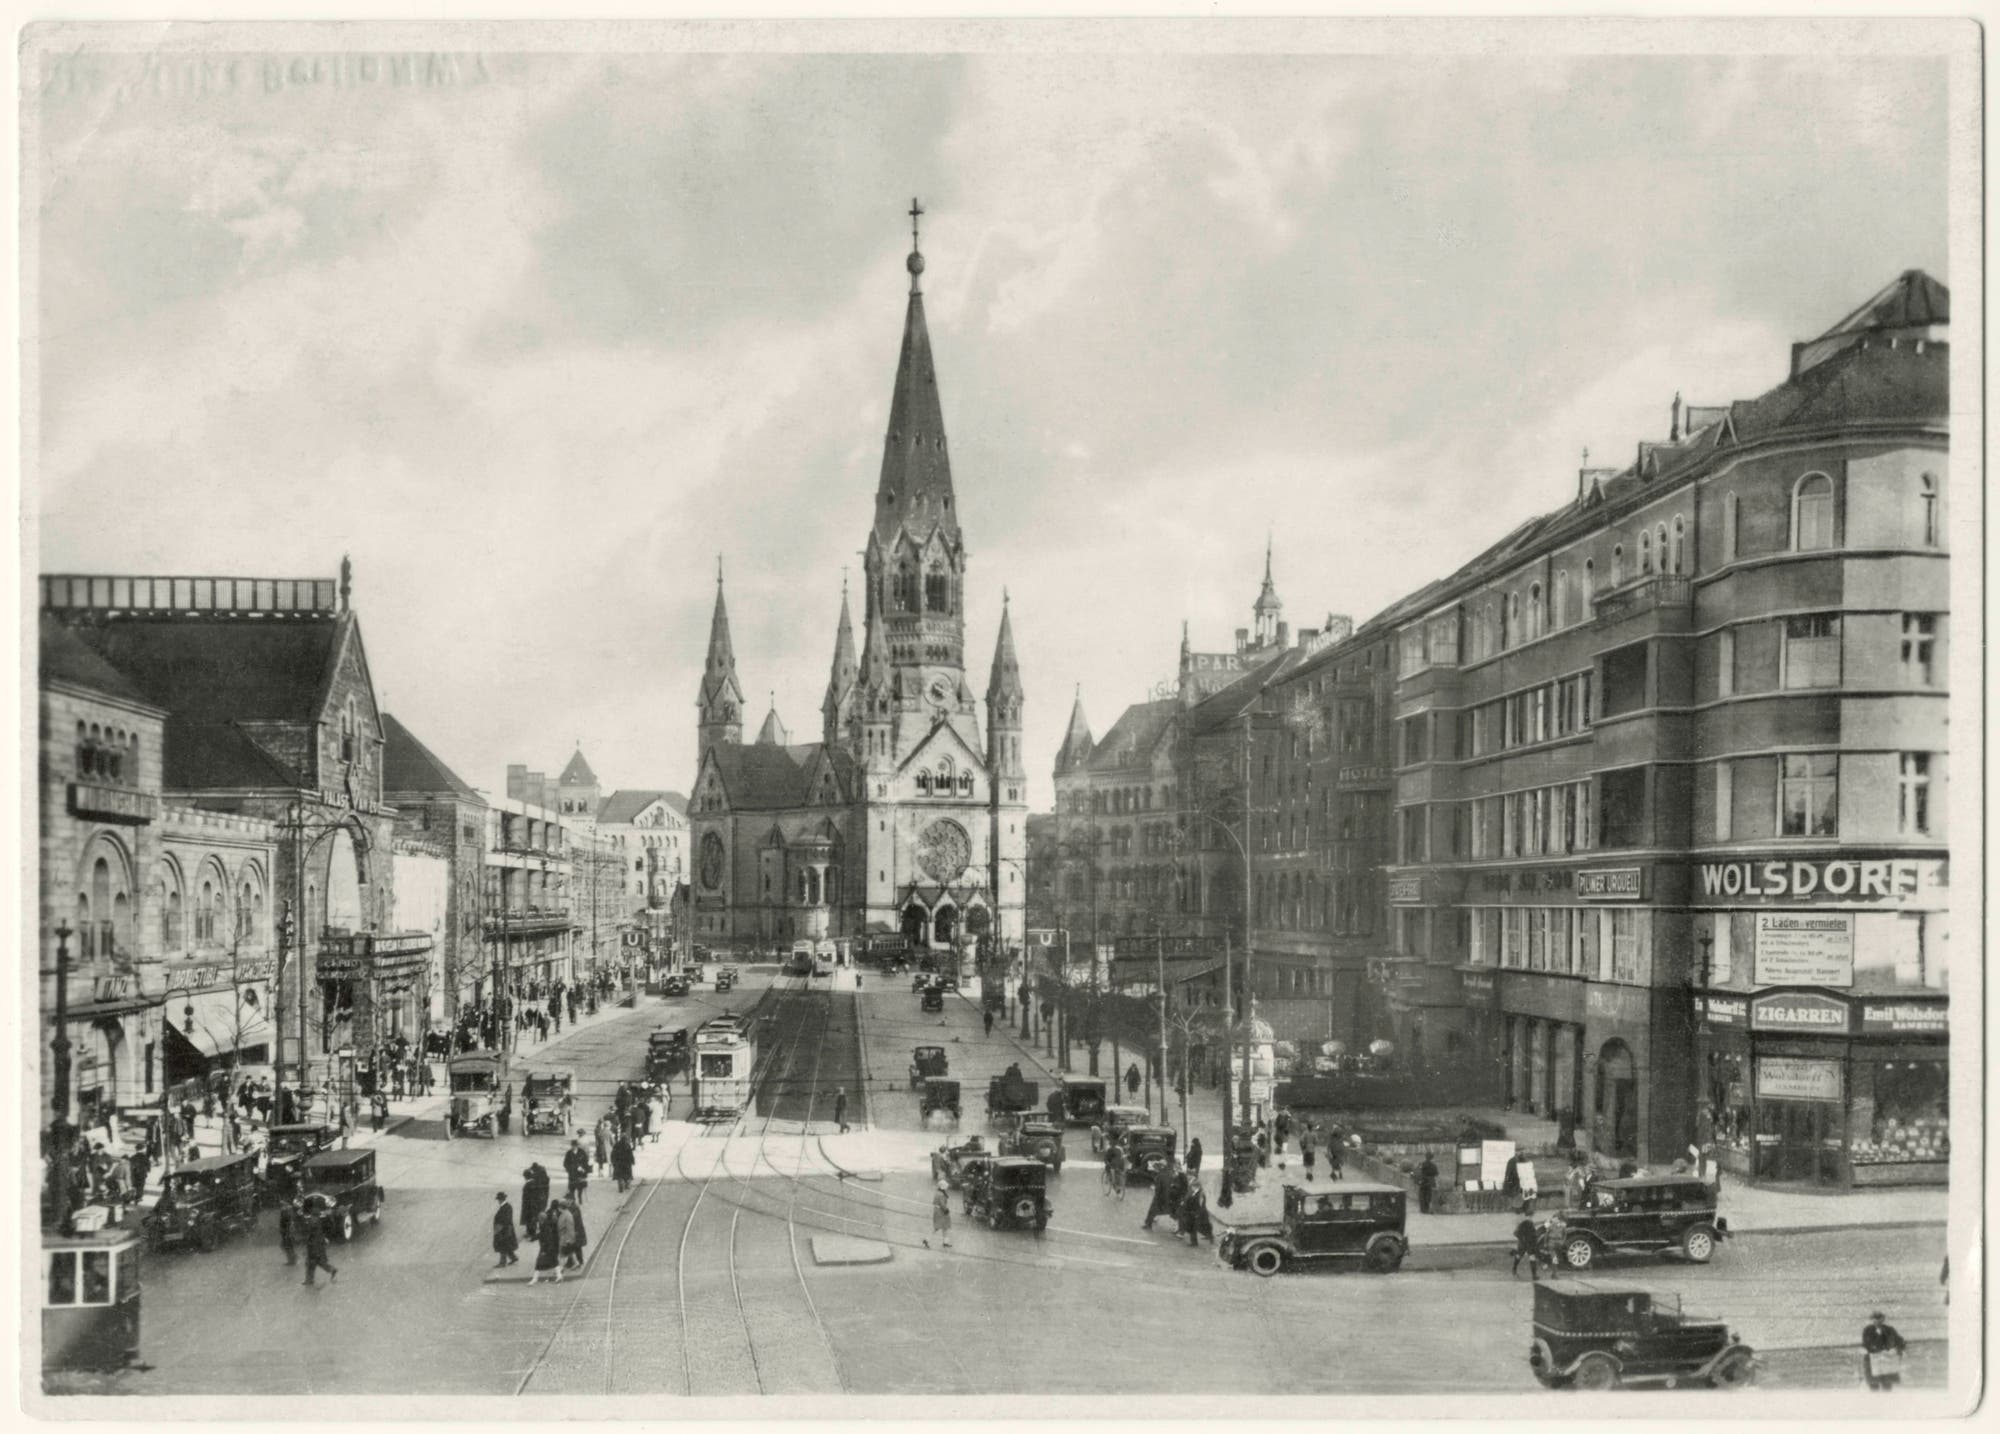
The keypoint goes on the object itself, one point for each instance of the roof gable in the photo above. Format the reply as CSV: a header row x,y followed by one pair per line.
x,y
409,766
943,740
1134,737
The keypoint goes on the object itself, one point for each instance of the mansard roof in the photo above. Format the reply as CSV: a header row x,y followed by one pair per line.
x,y
623,805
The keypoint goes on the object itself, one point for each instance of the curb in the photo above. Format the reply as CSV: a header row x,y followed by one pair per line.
x,y
871,1176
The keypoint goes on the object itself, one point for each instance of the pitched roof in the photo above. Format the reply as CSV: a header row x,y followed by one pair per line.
x,y
623,805
204,756
1132,737
763,776
225,669
719,673
66,659
1239,696
1005,679
577,773
1076,741
409,766
914,493
1910,300
773,732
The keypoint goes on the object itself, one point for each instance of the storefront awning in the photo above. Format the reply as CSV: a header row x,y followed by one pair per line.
x,y
222,1023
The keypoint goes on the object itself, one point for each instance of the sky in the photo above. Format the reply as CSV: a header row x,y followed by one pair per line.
x,y
536,338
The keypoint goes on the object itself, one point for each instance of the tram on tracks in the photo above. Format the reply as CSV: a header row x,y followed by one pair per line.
x,y
724,1053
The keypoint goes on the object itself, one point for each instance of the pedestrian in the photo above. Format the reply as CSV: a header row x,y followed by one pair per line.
x,y
840,1108
1167,1193
396,1077
1527,1244
506,1109
378,1110
142,1166
1195,1221
1336,1156
1427,1181
574,1236
316,1247
548,1248
1309,1147
1881,1353
346,1125
987,1017
1132,1080
1262,1137
621,1163
1194,1156
656,1114
288,1217
576,1164
505,1241
1510,1179
1114,1170
941,1214
603,1142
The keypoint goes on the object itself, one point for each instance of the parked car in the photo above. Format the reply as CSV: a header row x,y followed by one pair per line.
x,y
1037,1140
1149,1150
928,1061
341,1190
1649,1213
285,1149
1597,1339
725,980
1008,1190
1357,1222
205,1201
1112,1121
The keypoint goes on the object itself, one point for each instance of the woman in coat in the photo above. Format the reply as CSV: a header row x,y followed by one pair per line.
x,y
505,1241
603,1143
548,1249
1194,1155
534,1197
621,1163
565,1213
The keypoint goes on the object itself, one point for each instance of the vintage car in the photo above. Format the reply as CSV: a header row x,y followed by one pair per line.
x,y
666,1055
939,1093
920,980
1037,1140
1656,1213
1010,1092
1149,1150
478,1093
285,1147
928,1061
1112,1121
949,1163
725,979
1008,1190
1357,1221
674,986
1592,1338
1082,1100
204,1201
932,999
340,1191
546,1104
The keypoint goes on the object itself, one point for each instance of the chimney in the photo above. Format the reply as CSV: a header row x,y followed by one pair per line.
x,y
1674,431
517,780
1242,638
1284,632
1583,478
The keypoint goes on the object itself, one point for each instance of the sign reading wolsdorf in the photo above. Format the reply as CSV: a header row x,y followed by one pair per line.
x,y
1890,879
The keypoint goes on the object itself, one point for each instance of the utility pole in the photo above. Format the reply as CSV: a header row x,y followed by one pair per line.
x,y
1226,1199
59,1069
1249,920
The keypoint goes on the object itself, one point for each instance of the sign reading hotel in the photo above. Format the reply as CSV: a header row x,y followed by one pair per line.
x,y
1891,880
1805,948
1612,883
1799,1011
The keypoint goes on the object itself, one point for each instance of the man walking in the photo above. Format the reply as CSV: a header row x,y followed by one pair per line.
x,y
840,1108
288,1217
987,1017
603,1140
621,1162
1881,1353
1309,1146
576,1164
505,1241
1527,1244
1427,1182
1114,1171
316,1248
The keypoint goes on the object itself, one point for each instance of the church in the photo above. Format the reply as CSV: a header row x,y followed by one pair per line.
x,y
902,818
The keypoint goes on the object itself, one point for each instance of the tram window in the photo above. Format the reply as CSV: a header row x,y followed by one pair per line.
x,y
712,1065
97,1277
127,1270
62,1277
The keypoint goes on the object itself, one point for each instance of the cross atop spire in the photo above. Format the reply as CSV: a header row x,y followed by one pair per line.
x,y
915,263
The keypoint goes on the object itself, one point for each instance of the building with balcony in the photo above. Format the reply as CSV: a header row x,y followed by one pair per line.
x,y
436,808
528,915
269,715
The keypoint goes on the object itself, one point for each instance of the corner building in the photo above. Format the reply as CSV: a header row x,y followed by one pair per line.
x,y
903,817
1670,780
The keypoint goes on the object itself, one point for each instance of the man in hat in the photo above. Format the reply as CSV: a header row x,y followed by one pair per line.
x,y
1881,1353
1527,1243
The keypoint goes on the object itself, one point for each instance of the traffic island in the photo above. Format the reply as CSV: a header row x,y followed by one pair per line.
x,y
849,1250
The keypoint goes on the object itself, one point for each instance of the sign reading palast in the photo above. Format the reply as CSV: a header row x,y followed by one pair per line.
x,y
1798,1011
1892,879
1612,883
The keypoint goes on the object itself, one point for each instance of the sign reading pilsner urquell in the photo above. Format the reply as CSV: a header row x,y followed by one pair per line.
x,y
1805,948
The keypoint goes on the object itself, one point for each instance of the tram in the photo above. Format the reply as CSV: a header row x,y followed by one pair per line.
x,y
723,1056
823,959
90,1300
802,962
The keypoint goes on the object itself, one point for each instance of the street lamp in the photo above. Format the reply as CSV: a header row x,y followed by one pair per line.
x,y
59,1068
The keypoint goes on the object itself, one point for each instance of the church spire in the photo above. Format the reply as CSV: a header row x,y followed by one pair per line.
x,y
840,683
1077,741
1003,704
721,700
1269,609
914,493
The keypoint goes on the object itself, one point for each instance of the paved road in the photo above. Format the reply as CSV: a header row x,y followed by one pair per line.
x,y
703,1279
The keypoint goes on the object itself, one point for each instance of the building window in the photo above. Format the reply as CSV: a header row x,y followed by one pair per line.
x,y
1628,947
1913,795
1559,599
1725,663
1621,799
1588,591
1680,544
1660,546
1811,655
1617,564
1645,553
1919,649
1725,796
1812,513
1809,795
1534,610
1927,500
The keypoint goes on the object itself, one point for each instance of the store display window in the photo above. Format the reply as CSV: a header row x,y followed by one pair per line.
x,y
1900,1114
1729,1102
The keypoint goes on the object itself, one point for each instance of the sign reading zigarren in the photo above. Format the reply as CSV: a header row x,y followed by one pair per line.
x,y
1890,879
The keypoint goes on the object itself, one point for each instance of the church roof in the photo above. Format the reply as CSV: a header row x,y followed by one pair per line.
x,y
764,777
1005,679
223,669
1132,737
65,658
577,773
772,733
1076,740
719,674
409,766
915,493
623,805
204,756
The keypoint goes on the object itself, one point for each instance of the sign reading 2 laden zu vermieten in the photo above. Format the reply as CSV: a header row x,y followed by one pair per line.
x,y
1805,948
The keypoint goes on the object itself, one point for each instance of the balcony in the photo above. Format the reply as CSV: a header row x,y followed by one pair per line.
x,y
1662,592
527,921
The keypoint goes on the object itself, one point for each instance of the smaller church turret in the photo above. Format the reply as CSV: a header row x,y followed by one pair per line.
x,y
1077,741
837,709
875,700
1003,707
721,699
1269,609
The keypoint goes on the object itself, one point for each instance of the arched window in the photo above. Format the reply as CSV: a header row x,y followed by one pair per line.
x,y
1660,546
1812,513
1588,590
207,908
1645,553
1680,544
937,591
1927,500
1534,610
1617,564
1559,599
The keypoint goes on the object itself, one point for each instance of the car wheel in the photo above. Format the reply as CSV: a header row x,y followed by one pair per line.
x,y
155,1241
1698,1244
346,1226
1736,1371
1266,1260
1595,1373
1385,1258
1578,1253
375,1212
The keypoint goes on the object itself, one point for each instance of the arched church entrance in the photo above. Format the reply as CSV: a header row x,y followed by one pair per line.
x,y
916,925
944,925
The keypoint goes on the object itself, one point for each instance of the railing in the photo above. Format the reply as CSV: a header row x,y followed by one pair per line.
x,y
273,596
1663,590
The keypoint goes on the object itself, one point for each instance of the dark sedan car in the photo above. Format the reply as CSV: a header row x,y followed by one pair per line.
x,y
1645,1213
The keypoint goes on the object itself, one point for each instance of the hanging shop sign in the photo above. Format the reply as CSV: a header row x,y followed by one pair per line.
x,y
1479,986
1732,1012
1406,891
1612,883
1892,881
1799,1011
1805,948
1901,1018
1797,1078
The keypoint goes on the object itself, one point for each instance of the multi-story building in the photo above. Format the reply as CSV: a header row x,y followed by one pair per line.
x,y
270,715
1670,775
648,829
526,900
436,807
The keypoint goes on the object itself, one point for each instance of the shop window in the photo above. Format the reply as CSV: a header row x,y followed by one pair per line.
x,y
1811,654
1920,649
1913,795
1812,513
1900,1113
1809,795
